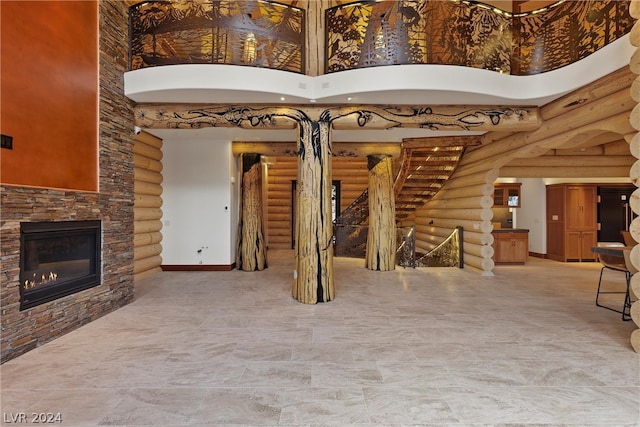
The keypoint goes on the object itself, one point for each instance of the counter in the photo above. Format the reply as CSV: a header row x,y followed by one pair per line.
x,y
510,245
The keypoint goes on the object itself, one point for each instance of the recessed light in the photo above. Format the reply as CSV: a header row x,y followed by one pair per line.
x,y
313,101
282,98
349,98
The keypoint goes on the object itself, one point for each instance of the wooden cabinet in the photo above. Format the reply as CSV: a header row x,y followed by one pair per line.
x,y
506,195
510,247
571,221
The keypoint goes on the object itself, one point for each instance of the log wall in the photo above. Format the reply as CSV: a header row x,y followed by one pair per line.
x,y
634,65
600,109
350,171
147,207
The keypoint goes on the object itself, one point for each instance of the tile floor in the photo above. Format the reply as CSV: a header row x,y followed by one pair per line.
x,y
427,347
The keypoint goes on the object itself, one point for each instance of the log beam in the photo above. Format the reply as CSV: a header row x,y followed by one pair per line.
x,y
340,149
434,117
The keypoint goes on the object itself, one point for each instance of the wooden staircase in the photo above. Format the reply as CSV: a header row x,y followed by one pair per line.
x,y
426,164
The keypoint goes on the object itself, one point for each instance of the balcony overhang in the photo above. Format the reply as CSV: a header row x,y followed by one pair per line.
x,y
389,85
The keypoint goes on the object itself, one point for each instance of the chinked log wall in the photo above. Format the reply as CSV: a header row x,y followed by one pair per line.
x,y
604,106
147,207
351,172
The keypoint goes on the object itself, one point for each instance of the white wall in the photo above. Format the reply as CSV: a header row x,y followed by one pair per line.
x,y
532,213
199,203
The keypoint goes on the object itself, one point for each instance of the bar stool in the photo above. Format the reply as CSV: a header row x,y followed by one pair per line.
x,y
621,263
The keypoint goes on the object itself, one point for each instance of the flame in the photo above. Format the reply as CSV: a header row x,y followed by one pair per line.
x,y
44,279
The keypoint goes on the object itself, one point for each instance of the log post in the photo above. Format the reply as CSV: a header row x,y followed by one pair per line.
x,y
381,238
251,249
313,274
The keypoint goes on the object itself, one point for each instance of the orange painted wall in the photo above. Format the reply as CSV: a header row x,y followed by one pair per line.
x,y
49,93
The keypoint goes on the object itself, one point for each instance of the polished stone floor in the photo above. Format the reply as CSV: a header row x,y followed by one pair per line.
x,y
427,347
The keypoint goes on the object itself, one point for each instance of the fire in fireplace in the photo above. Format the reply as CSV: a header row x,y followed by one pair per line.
x,y
58,259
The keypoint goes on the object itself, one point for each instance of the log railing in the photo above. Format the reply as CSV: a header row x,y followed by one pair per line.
x,y
254,33
471,34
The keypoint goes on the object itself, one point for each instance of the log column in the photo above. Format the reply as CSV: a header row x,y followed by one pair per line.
x,y
313,274
634,65
381,238
251,250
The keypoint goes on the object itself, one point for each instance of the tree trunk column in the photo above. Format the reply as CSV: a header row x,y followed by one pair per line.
x,y
313,274
251,250
381,239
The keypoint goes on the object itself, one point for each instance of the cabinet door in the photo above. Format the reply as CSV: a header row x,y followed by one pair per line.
x,y
521,248
581,207
588,241
573,245
503,249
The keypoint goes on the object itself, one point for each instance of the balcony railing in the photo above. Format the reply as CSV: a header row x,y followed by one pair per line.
x,y
255,33
364,34
471,34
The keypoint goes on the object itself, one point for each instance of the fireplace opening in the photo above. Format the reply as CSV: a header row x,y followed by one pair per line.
x,y
58,259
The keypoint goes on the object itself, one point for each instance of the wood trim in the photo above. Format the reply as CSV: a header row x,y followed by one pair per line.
x,y
537,255
198,267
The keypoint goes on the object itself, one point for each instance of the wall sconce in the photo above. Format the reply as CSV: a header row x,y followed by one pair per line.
x,y
249,49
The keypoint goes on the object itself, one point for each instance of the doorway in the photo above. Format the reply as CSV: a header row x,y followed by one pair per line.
x,y
614,211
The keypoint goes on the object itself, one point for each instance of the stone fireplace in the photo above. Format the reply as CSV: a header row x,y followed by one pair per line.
x,y
102,278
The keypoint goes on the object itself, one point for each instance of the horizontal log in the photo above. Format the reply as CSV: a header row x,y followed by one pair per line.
x,y
617,81
146,150
147,201
439,117
617,148
522,148
147,251
150,226
484,176
147,273
144,175
608,106
486,264
565,172
147,163
462,203
469,237
146,264
467,225
275,219
142,239
470,214
485,189
146,138
146,214
140,187
571,161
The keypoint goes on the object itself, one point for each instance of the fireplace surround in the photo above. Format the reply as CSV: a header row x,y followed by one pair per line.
x,y
58,258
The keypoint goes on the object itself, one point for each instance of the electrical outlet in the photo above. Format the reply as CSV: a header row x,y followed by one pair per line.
x,y
6,141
